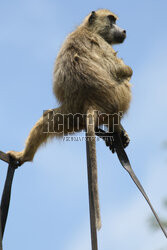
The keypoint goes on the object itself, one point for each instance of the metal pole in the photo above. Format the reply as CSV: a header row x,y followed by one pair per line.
x,y
91,199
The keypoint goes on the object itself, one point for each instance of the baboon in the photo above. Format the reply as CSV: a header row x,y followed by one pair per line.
x,y
88,76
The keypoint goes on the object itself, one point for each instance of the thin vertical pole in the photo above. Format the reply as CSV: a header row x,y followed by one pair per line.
x,y
91,199
0,231
5,201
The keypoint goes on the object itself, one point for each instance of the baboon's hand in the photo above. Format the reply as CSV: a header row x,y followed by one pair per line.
x,y
125,138
110,142
17,156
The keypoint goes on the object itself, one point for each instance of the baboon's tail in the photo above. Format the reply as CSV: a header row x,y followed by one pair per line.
x,y
91,122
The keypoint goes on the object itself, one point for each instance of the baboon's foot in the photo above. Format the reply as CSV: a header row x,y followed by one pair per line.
x,y
18,157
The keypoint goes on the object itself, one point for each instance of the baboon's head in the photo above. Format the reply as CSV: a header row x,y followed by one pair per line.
x,y
103,22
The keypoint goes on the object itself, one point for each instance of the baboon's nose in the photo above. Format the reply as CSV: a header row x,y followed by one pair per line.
x,y
124,31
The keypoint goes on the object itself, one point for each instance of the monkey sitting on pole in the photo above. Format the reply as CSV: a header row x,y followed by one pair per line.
x,y
88,77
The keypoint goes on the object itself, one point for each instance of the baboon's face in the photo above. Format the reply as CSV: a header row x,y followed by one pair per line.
x,y
105,26
112,33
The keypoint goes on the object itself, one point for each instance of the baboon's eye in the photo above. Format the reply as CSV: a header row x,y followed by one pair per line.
x,y
112,18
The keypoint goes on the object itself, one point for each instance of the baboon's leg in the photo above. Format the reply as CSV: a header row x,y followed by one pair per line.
x,y
49,125
91,120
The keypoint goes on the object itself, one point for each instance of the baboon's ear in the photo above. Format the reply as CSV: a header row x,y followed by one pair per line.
x,y
92,17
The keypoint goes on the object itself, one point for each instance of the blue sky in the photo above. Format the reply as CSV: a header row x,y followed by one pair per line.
x,y
49,206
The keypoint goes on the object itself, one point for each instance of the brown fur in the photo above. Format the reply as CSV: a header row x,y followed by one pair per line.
x,y
87,74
